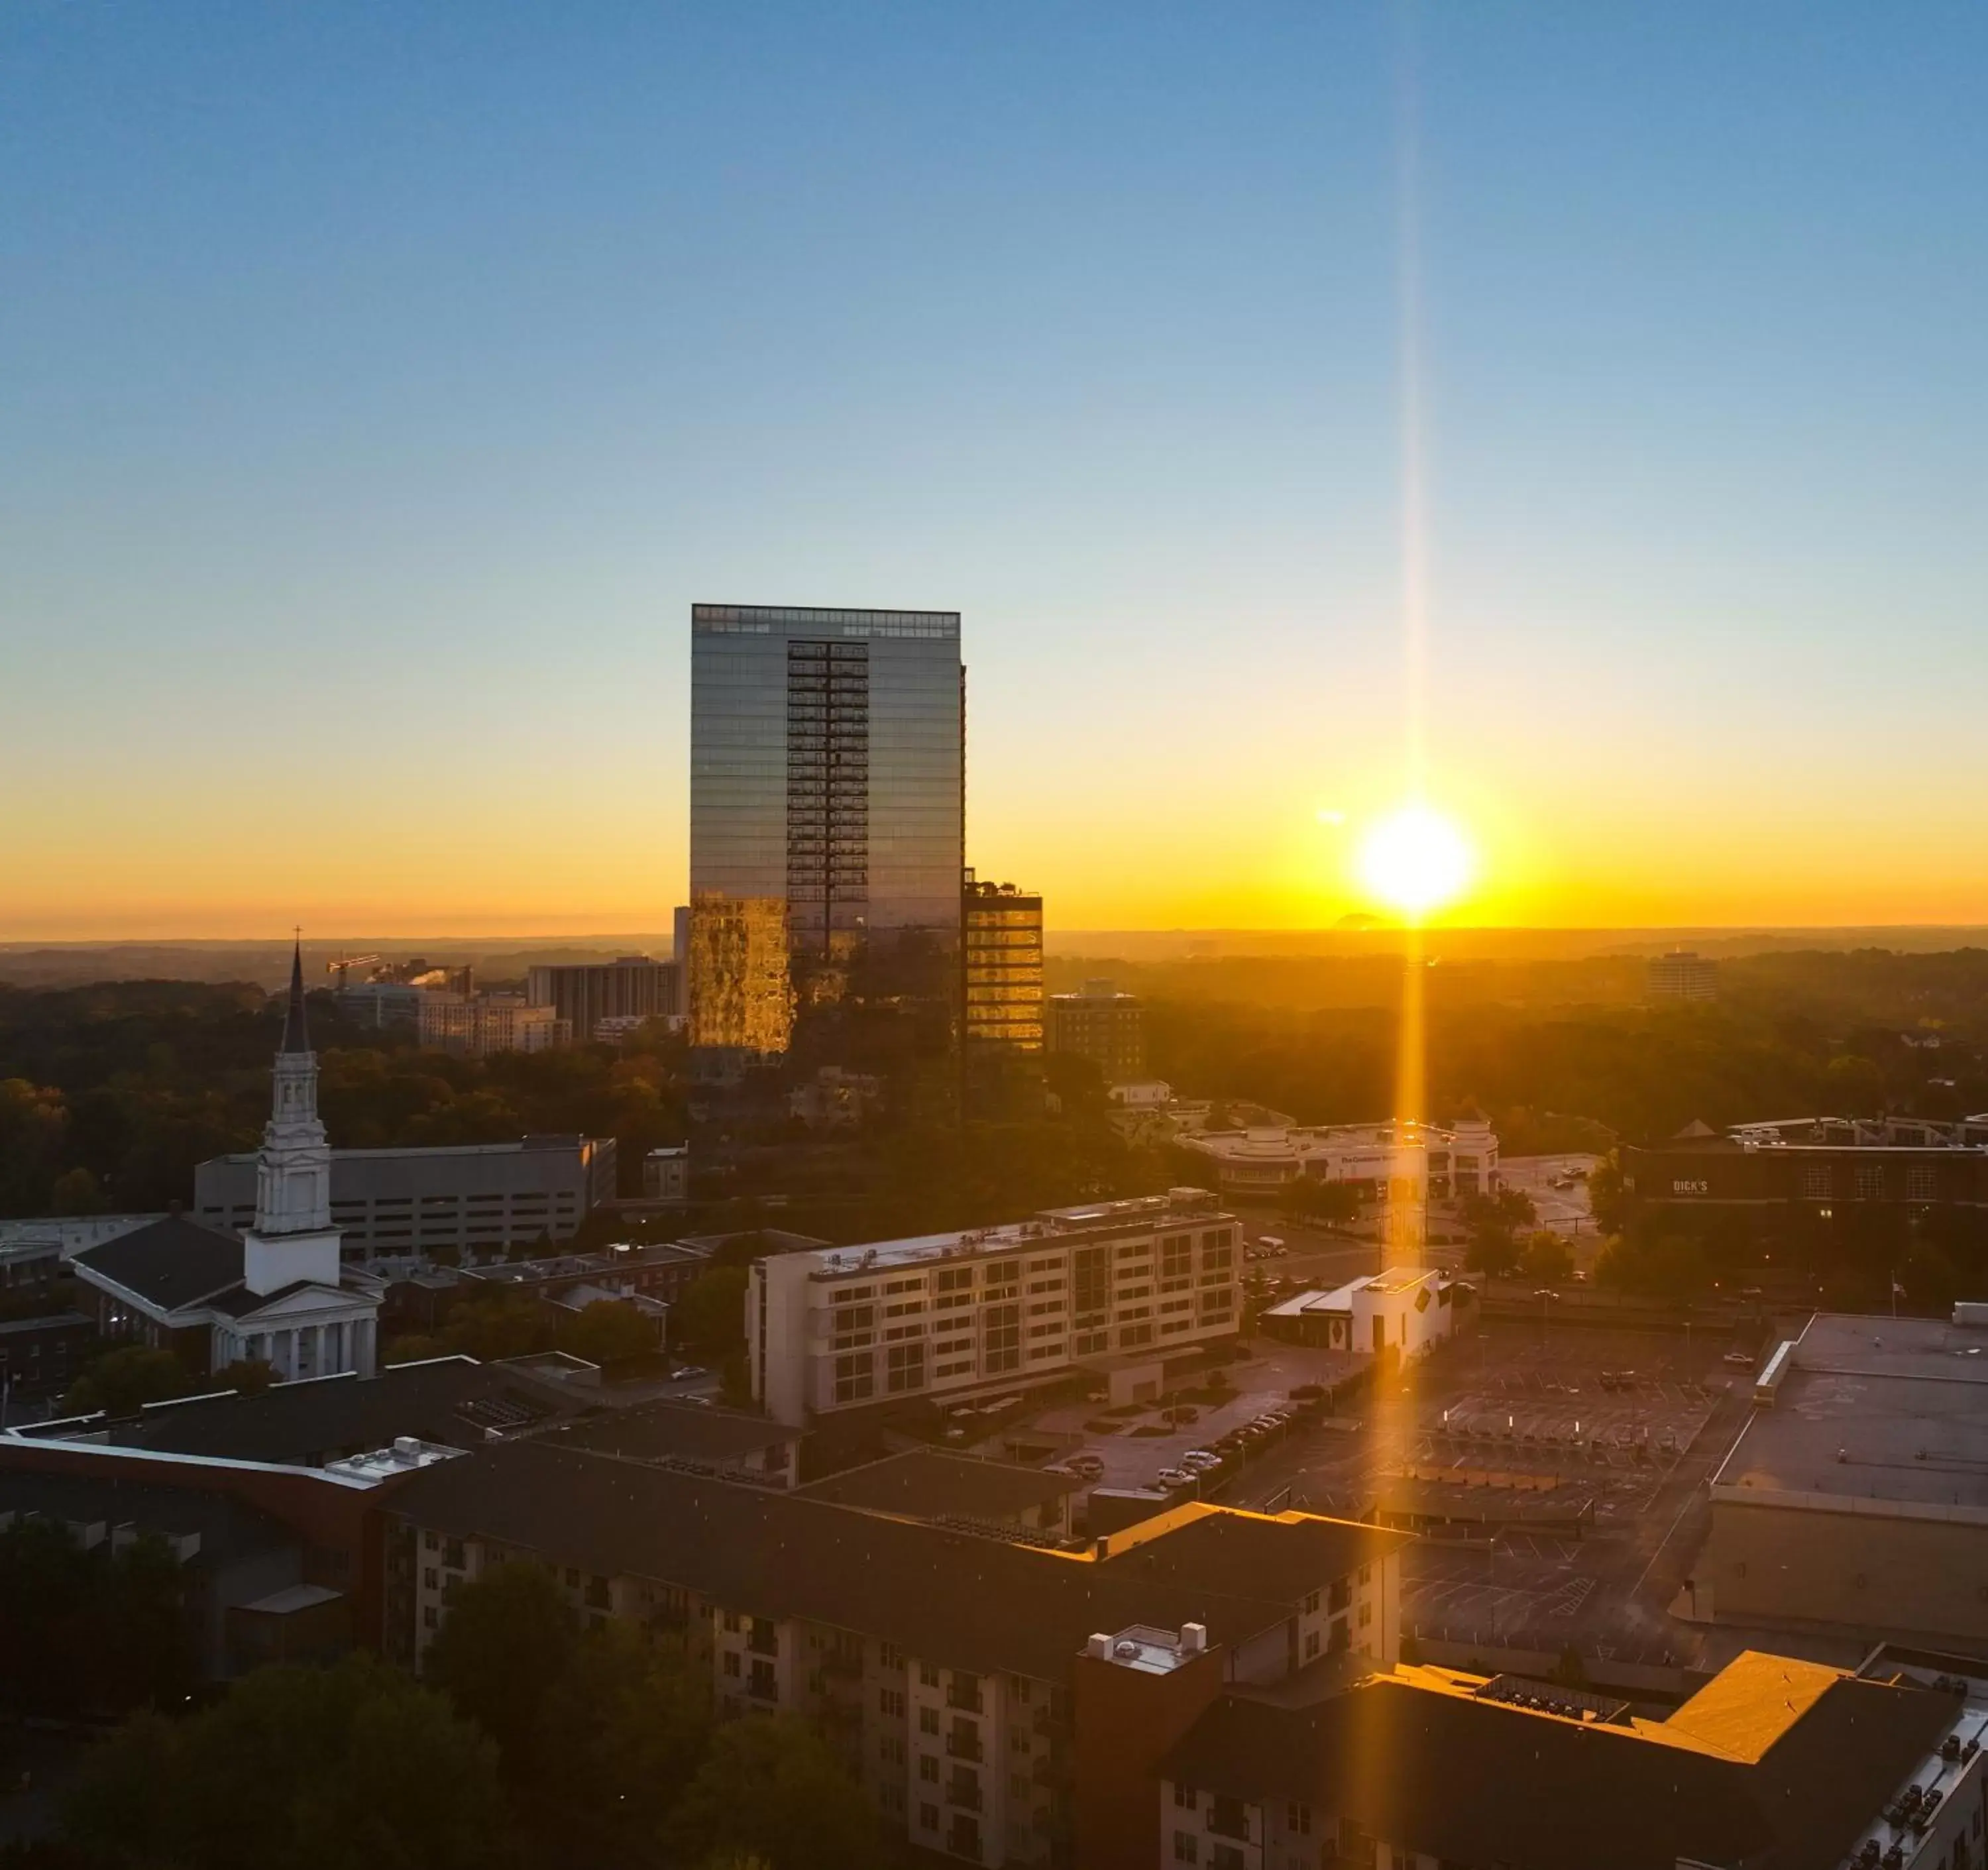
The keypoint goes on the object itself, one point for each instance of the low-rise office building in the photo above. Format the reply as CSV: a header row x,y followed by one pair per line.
x,y
1403,1313
1774,1762
943,1316
1856,1498
1407,1165
1823,1163
479,1198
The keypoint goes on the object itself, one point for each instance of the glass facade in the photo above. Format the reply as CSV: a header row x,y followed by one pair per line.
x,y
1002,966
827,773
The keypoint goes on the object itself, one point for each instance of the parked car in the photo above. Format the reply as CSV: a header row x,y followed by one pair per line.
x,y
687,1372
1088,1466
1200,1460
1174,1477
1739,1360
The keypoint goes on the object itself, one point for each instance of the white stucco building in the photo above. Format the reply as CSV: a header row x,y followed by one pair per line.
x,y
943,1315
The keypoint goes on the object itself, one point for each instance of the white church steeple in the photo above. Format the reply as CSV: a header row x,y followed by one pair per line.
x,y
293,1238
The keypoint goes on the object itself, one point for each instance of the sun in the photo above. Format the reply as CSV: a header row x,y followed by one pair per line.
x,y
1415,859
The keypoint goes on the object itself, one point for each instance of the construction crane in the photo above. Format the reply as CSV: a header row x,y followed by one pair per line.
x,y
342,967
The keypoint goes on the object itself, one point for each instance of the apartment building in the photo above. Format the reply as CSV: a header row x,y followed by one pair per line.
x,y
474,1026
942,1663
480,1198
1100,1024
944,1316
584,993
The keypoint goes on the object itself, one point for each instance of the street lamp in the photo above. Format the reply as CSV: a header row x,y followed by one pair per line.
x,y
1546,1296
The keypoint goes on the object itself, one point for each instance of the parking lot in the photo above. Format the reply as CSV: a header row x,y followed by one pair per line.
x,y
1139,1444
1514,1421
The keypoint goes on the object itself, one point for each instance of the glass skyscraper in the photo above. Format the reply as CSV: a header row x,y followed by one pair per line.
x,y
826,805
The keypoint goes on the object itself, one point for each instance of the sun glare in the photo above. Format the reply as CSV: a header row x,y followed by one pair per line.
x,y
1415,859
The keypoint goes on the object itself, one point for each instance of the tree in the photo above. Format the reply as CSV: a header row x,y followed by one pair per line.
x,y
509,1637
353,1767
76,1191
122,1381
505,1324
1608,1200
1546,1257
771,1787
626,1725
1856,1086
608,1331
250,1375
711,1313
413,1348
1494,1221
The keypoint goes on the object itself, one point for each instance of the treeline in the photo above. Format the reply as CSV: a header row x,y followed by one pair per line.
x,y
111,1095
530,1740
1643,1072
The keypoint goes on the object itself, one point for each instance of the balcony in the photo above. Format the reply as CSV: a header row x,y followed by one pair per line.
x,y
967,1746
963,1841
968,1700
966,1793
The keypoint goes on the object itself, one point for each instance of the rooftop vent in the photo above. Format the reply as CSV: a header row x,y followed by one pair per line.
x,y
1099,1645
1193,1638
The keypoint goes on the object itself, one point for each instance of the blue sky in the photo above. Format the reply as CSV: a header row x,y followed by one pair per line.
x,y
380,385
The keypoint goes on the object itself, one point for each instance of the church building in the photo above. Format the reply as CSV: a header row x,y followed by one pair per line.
x,y
278,1293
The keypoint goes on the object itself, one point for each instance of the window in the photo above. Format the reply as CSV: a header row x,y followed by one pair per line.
x,y
854,1376
1187,1848
890,1656
891,1749
1366,1615
429,1619
928,1818
1919,1182
1298,1819
1311,1645
928,1768
731,1663
928,1720
1366,1575
1340,1594
928,1675
1134,1335
1226,1857
1870,1181
906,1367
431,1578
732,1621
890,1701
1816,1182
1184,1796
1001,1338
1311,1602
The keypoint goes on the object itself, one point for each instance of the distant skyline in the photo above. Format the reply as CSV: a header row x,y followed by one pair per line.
x,y
381,386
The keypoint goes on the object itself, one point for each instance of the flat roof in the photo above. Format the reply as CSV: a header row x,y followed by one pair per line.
x,y
1875,1415
930,1484
1048,1227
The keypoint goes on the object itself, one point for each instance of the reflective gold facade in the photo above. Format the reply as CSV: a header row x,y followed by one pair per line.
x,y
741,992
1002,956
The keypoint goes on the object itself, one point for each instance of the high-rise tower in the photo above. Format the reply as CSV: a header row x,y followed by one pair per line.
x,y
827,819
